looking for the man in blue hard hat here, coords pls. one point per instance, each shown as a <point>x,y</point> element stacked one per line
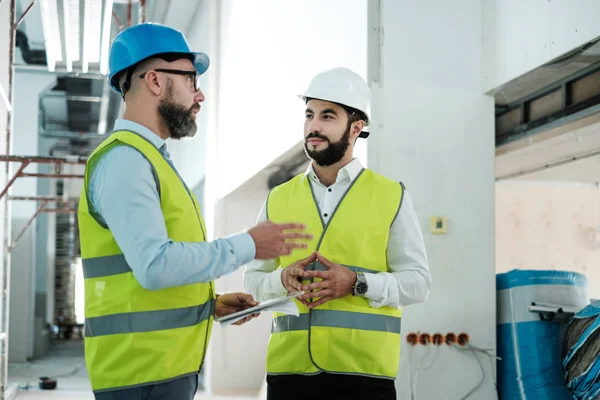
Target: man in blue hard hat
<point>149,294</point>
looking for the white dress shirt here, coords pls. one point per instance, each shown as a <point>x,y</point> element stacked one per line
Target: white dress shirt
<point>408,280</point>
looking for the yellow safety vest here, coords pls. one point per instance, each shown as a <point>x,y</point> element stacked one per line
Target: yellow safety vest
<point>135,336</point>
<point>345,335</point>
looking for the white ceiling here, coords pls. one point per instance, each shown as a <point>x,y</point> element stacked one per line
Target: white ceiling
<point>549,156</point>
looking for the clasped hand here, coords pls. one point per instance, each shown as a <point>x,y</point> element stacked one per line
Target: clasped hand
<point>337,280</point>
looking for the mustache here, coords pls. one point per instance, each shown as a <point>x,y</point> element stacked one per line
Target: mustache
<point>314,135</point>
<point>195,107</point>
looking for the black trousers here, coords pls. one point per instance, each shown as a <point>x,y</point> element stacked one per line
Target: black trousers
<point>329,387</point>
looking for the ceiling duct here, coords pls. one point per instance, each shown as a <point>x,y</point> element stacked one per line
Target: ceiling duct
<point>551,73</point>
<point>30,56</point>
<point>77,108</point>
<point>564,90</point>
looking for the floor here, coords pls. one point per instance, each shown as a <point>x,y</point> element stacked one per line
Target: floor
<point>65,362</point>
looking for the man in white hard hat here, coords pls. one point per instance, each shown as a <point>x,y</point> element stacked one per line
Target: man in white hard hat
<point>367,261</point>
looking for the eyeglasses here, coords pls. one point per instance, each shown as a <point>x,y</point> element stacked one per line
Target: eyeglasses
<point>193,76</point>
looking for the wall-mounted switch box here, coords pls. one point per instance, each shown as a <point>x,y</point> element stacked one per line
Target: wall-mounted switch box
<point>438,225</point>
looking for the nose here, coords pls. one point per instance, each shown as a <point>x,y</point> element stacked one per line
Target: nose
<point>313,126</point>
<point>199,96</point>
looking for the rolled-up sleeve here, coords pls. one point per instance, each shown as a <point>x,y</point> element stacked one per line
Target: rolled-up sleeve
<point>123,191</point>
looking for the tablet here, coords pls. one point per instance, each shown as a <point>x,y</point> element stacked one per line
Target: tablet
<point>262,306</point>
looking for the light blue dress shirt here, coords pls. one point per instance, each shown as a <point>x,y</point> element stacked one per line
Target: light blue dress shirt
<point>123,193</point>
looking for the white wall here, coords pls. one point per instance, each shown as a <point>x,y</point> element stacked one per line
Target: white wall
<point>239,351</point>
<point>520,36</point>
<point>28,86</point>
<point>436,134</point>
<point>269,52</point>
<point>22,294</point>
<point>28,279</point>
<point>546,225</point>
<point>189,155</point>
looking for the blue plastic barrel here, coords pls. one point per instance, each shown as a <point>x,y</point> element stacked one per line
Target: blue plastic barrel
<point>531,349</point>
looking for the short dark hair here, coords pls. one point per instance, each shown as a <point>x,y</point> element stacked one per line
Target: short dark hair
<point>353,114</point>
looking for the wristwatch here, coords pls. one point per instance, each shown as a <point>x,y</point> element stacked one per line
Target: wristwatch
<point>360,287</point>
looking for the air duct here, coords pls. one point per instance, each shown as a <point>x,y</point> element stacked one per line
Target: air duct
<point>37,57</point>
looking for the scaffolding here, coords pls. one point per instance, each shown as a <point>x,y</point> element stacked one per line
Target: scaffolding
<point>7,96</point>
<point>62,205</point>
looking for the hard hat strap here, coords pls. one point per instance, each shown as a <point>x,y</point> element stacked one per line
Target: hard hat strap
<point>127,84</point>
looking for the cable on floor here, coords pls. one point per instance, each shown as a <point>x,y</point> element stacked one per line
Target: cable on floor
<point>27,386</point>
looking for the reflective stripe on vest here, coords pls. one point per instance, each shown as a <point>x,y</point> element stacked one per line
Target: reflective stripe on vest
<point>336,319</point>
<point>344,336</point>
<point>147,321</point>
<point>135,336</point>
<point>101,267</point>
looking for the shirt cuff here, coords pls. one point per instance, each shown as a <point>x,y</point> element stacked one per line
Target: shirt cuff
<point>375,283</point>
<point>276,284</point>
<point>243,247</point>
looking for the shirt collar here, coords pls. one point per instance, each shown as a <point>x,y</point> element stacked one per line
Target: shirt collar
<point>126,125</point>
<point>349,172</point>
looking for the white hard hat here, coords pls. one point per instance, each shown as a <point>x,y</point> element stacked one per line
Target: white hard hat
<point>342,86</point>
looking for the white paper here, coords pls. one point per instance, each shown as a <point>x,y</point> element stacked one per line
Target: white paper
<point>282,305</point>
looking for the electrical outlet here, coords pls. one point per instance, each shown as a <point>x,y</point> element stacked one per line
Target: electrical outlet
<point>450,338</point>
<point>438,225</point>
<point>412,338</point>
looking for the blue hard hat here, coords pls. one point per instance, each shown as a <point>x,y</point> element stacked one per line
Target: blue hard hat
<point>139,42</point>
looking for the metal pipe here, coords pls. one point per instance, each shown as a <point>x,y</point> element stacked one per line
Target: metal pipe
<point>25,14</point>
<point>40,208</point>
<point>60,210</point>
<point>12,180</point>
<point>11,61</point>
<point>41,198</point>
<point>25,161</point>
<point>45,160</point>
<point>62,95</point>
<point>59,72</point>
<point>6,256</point>
<point>130,13</point>
<point>68,134</point>
<point>142,11</point>
<point>39,175</point>
<point>116,17</point>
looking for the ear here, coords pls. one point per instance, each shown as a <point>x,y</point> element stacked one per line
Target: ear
<point>357,128</point>
<point>154,83</point>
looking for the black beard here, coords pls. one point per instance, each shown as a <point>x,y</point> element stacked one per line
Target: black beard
<point>332,154</point>
<point>177,118</point>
